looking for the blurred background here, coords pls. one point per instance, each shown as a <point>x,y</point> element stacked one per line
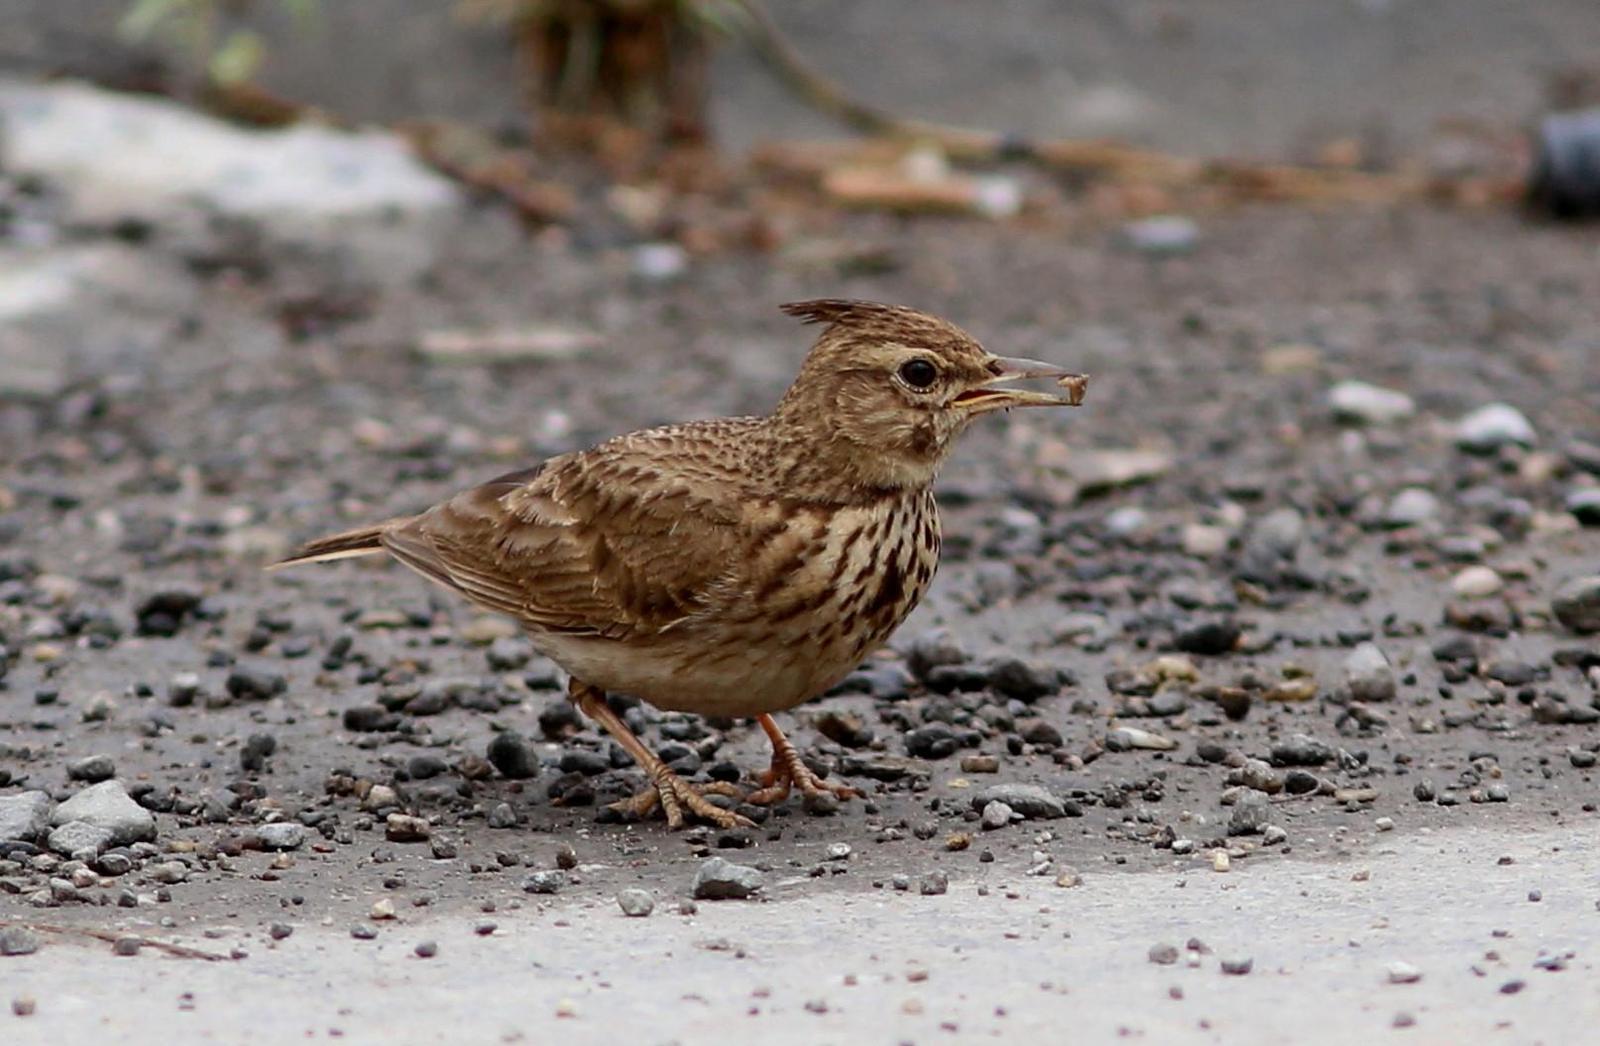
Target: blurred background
<point>1314,561</point>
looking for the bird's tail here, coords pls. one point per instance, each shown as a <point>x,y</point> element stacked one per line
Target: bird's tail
<point>362,541</point>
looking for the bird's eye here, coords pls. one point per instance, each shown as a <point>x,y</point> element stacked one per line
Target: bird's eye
<point>919,374</point>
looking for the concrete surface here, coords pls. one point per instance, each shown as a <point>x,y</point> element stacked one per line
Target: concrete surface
<point>1028,962</point>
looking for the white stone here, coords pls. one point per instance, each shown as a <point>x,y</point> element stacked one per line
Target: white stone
<point>1369,675</point>
<point>1162,234</point>
<point>1493,426</point>
<point>1411,506</point>
<point>1476,582</point>
<point>1202,540</point>
<point>1370,404</point>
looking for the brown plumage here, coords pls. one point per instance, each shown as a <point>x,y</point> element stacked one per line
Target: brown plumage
<point>731,567</point>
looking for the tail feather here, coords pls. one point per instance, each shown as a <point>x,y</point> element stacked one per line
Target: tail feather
<point>362,541</point>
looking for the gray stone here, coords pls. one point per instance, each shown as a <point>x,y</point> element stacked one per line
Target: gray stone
<point>24,817</point>
<point>1369,675</point>
<point>1357,401</point>
<point>75,837</point>
<point>636,903</point>
<point>107,805</point>
<point>720,880</point>
<point>995,815</point>
<point>18,940</point>
<point>545,882</point>
<point>1491,427</point>
<point>1032,802</point>
<point>508,653</point>
<point>1576,605</point>
<point>1023,680</point>
<point>1301,750</point>
<point>932,650</point>
<point>282,835</point>
<point>1250,814</point>
<point>93,769</point>
<point>1410,507</point>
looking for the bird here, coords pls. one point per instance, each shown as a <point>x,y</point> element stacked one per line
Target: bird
<point>729,567</point>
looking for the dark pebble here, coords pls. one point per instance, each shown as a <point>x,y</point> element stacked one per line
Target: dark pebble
<point>559,720</point>
<point>162,614</point>
<point>424,766</point>
<point>1237,967</point>
<point>949,679</point>
<point>253,755</point>
<point>364,719</point>
<point>1023,680</point>
<point>426,949</point>
<point>586,761</point>
<point>1042,734</point>
<point>512,756</point>
<point>248,684</point>
<point>1208,637</point>
<point>934,741</point>
<point>1300,782</point>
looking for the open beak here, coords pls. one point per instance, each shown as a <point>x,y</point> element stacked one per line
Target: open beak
<point>988,397</point>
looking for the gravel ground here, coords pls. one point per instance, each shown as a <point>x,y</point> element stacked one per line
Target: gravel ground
<point>1311,575</point>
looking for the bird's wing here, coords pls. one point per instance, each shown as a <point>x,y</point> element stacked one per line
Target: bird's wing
<point>586,544</point>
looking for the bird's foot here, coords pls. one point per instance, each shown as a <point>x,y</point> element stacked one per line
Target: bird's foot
<point>674,796</point>
<point>789,771</point>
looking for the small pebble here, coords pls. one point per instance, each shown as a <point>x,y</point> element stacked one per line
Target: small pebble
<point>636,903</point>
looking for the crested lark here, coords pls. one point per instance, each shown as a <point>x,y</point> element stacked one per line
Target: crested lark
<point>732,567</point>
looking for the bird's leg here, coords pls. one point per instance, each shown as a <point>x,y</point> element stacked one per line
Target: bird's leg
<point>788,770</point>
<point>667,790</point>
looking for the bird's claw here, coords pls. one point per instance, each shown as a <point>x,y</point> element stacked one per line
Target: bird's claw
<point>784,775</point>
<point>673,795</point>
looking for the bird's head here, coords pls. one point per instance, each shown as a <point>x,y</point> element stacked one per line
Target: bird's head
<point>886,389</point>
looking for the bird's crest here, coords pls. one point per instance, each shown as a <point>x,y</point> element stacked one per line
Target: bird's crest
<point>888,322</point>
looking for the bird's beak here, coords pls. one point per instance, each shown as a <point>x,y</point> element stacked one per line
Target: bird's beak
<point>986,397</point>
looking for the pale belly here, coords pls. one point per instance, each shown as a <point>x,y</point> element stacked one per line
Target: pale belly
<point>834,610</point>
<point>728,679</point>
